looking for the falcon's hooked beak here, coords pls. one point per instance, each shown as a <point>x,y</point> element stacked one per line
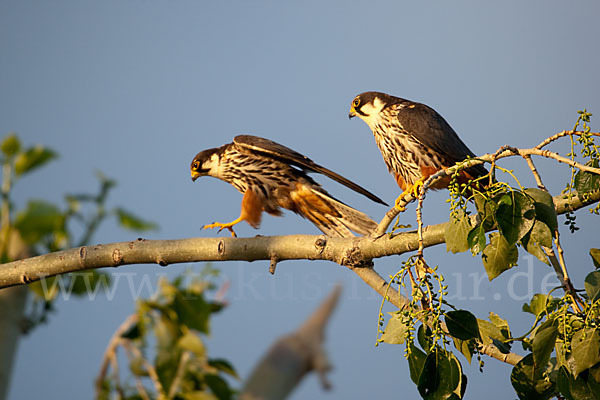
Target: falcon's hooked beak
<point>352,113</point>
<point>195,175</point>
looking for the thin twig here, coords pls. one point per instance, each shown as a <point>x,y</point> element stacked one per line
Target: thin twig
<point>561,134</point>
<point>273,264</point>
<point>561,259</point>
<point>536,174</point>
<point>420,221</point>
<point>111,349</point>
<point>185,356</point>
<point>137,354</point>
<point>5,208</point>
<point>115,368</point>
<point>560,274</point>
<point>558,264</point>
<point>560,159</point>
<point>138,381</point>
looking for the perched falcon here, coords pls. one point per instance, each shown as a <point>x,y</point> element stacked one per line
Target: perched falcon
<point>272,176</point>
<point>415,141</point>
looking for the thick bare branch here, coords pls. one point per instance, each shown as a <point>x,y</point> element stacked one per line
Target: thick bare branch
<point>354,252</point>
<point>292,356</point>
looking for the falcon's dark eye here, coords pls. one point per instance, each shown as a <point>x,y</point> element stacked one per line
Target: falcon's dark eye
<point>196,165</point>
<point>356,102</point>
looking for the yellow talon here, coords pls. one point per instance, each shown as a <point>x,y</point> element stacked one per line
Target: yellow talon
<point>415,189</point>
<point>398,200</point>
<point>222,226</point>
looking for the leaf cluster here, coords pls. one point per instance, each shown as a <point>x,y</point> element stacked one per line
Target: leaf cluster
<point>574,338</point>
<point>47,227</point>
<point>525,218</point>
<point>563,344</point>
<point>171,328</point>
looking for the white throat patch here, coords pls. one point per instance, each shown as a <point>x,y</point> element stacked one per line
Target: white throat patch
<point>372,110</point>
<point>213,165</point>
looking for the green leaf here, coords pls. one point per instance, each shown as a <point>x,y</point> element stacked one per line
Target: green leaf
<point>587,181</point>
<point>429,381</point>
<point>191,342</point>
<point>466,347</point>
<point>416,360</point>
<point>539,236</point>
<point>424,337</point>
<point>197,395</point>
<point>167,355</point>
<point>501,324</point>
<point>133,222</point>
<point>223,366</point>
<point>515,219</point>
<point>38,220</point>
<point>457,231</point>
<point>441,377</point>
<point>89,282</point>
<point>395,331</point>
<point>529,383</point>
<point>192,311</point>
<point>563,354</point>
<point>563,383</point>
<point>505,199</point>
<point>504,347</point>
<point>541,304</point>
<point>486,208</point>
<point>545,210</point>
<point>585,349</point>
<point>136,366</point>
<point>595,253</point>
<point>32,158</point>
<point>134,332</point>
<point>592,285</point>
<point>46,288</point>
<point>218,386</point>
<point>543,344</point>
<point>595,373</point>
<point>498,256</point>
<point>462,324</point>
<point>10,145</point>
<point>488,332</point>
<point>476,239</point>
<point>582,388</point>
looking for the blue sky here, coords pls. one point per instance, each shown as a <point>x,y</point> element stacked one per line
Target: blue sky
<point>135,88</point>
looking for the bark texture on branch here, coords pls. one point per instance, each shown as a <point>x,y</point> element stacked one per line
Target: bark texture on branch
<point>351,252</point>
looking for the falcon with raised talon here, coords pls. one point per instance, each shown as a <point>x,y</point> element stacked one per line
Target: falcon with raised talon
<point>415,141</point>
<point>272,176</point>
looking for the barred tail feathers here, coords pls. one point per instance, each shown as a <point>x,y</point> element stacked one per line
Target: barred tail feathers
<point>331,216</point>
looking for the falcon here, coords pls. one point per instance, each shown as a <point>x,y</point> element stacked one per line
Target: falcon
<point>415,141</point>
<point>272,176</point>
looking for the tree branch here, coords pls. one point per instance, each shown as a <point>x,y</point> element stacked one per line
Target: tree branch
<point>502,152</point>
<point>561,134</point>
<point>351,252</point>
<point>292,356</point>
